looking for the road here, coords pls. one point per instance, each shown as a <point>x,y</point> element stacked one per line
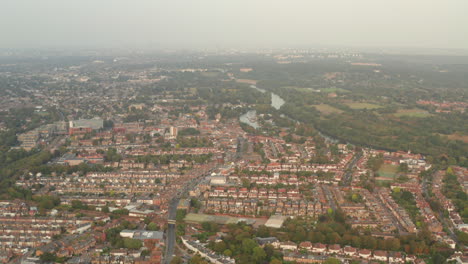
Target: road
<point>329,196</point>
<point>440,213</point>
<point>172,212</point>
<point>348,176</point>
<point>170,232</point>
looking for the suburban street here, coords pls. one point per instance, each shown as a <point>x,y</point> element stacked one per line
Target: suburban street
<point>199,174</point>
<point>348,176</point>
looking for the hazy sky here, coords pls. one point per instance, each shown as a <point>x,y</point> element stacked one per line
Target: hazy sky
<point>233,23</point>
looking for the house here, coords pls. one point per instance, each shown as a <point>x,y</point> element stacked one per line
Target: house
<point>410,258</point>
<point>365,253</point>
<point>421,261</point>
<point>266,240</point>
<point>319,248</point>
<point>305,245</point>
<point>395,257</point>
<point>334,249</point>
<point>380,255</point>
<point>349,251</point>
<point>302,258</point>
<point>288,245</point>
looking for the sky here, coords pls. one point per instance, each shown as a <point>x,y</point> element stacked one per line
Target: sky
<point>233,23</point>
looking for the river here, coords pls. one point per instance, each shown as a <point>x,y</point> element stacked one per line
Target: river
<point>250,117</point>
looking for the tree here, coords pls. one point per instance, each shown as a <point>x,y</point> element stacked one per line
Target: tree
<point>248,245</point>
<point>227,252</point>
<point>220,246</point>
<point>76,204</point>
<point>197,259</point>
<point>332,261</point>
<point>152,227</point>
<point>450,170</point>
<point>403,167</point>
<point>259,254</point>
<point>462,237</point>
<point>263,231</point>
<point>394,244</point>
<point>180,214</point>
<point>210,226</point>
<point>438,259</point>
<point>132,243</point>
<point>176,260</point>
<point>276,261</point>
<point>189,132</point>
<point>47,257</point>
<point>195,203</point>
<point>269,250</point>
<point>105,209</point>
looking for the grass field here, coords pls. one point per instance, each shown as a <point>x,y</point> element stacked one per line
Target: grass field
<point>301,89</point>
<point>327,109</point>
<point>457,136</point>
<point>316,90</point>
<point>388,171</point>
<point>247,81</point>
<point>415,112</point>
<point>210,74</point>
<point>356,105</point>
<point>333,90</point>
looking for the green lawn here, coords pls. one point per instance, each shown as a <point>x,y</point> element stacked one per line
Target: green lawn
<point>357,105</point>
<point>210,74</point>
<point>327,109</point>
<point>415,112</point>
<point>388,171</point>
<point>333,90</point>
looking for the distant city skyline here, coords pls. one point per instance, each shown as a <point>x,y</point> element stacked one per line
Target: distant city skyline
<point>233,24</point>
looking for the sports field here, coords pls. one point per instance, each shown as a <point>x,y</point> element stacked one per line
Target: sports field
<point>388,171</point>
<point>415,112</point>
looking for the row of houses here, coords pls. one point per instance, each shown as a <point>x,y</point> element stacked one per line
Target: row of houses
<point>278,167</point>
<point>446,203</point>
<point>428,215</point>
<point>292,251</point>
<point>206,253</point>
<point>257,207</point>
<point>181,151</point>
<point>16,208</point>
<point>254,193</point>
<point>382,214</point>
<point>17,233</point>
<point>398,212</point>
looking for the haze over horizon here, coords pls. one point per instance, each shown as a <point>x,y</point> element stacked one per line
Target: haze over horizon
<point>233,24</point>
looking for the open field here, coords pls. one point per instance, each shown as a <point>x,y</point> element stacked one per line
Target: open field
<point>415,112</point>
<point>388,171</point>
<point>247,81</point>
<point>333,90</point>
<point>357,105</point>
<point>327,109</point>
<point>302,89</point>
<point>210,74</point>
<point>457,136</point>
<point>317,90</point>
